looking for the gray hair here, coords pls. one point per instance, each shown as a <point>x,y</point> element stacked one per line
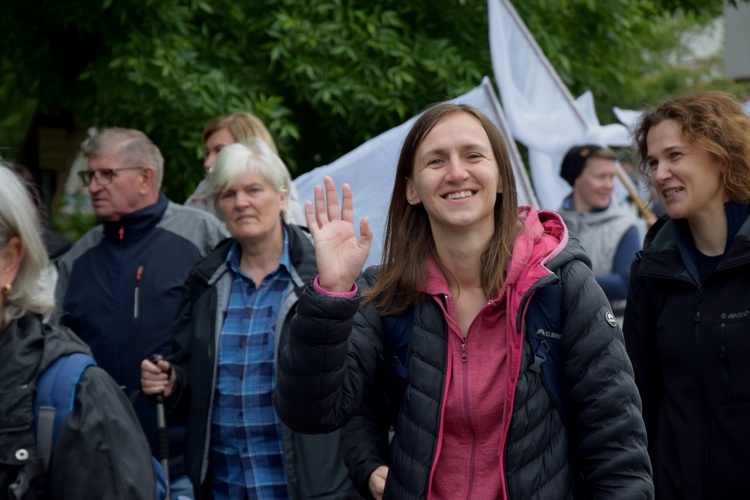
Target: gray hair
<point>19,217</point>
<point>235,160</point>
<point>133,147</point>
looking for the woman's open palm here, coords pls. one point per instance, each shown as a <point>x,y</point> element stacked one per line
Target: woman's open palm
<point>339,254</point>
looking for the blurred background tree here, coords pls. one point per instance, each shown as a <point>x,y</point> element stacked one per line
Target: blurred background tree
<point>325,75</point>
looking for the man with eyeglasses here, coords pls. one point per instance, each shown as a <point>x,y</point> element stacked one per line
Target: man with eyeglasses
<point>120,285</point>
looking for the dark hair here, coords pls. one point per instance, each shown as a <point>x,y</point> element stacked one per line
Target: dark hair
<point>576,158</point>
<point>408,237</point>
<point>713,121</point>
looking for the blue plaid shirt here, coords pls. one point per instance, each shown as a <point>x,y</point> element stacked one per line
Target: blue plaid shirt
<point>246,451</point>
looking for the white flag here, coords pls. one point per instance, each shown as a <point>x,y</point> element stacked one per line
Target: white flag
<point>541,112</point>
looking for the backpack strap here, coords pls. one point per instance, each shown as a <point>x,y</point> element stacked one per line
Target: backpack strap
<point>45,426</point>
<point>55,399</point>
<point>53,402</point>
<point>397,331</point>
<point>55,396</point>
<point>544,320</point>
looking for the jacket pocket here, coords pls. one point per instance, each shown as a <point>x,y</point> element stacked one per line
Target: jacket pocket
<point>727,361</point>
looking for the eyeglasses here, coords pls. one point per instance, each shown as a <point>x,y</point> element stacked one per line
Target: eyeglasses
<point>102,177</point>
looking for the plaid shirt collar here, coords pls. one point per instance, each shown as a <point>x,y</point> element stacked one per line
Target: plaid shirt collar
<point>235,252</point>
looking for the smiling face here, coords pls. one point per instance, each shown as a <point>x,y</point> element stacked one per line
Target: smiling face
<point>687,180</point>
<point>456,176</point>
<point>251,208</point>
<point>215,143</point>
<point>593,188</point>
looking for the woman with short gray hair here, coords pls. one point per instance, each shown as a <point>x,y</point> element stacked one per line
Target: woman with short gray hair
<point>234,316</point>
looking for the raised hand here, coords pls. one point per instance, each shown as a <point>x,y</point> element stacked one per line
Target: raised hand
<point>339,255</point>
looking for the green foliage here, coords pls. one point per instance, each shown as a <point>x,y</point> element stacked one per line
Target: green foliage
<point>700,7</point>
<point>14,121</point>
<point>357,71</point>
<point>656,87</point>
<point>324,75</point>
<point>73,220</point>
<point>16,113</point>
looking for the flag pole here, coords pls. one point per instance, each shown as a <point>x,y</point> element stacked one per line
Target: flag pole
<point>642,205</point>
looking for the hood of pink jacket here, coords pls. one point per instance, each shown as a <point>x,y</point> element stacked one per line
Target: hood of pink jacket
<point>542,236</point>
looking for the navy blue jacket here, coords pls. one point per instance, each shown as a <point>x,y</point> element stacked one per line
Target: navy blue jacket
<point>120,285</point>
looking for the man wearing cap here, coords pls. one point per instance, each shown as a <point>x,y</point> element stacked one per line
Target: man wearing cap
<point>609,236</point>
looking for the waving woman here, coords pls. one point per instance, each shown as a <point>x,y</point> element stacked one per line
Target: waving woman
<point>475,420</point>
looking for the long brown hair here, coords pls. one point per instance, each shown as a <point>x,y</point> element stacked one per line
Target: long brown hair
<point>408,236</point>
<point>713,121</point>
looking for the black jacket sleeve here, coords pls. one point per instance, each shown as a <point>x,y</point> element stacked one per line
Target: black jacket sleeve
<point>330,362</point>
<point>101,451</point>
<point>608,432</point>
<point>364,444</point>
<point>182,333</point>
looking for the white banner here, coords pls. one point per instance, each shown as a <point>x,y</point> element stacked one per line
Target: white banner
<point>541,112</point>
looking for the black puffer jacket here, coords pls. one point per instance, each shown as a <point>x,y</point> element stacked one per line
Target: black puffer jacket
<point>690,346</point>
<point>313,465</point>
<point>333,369</point>
<point>101,451</point>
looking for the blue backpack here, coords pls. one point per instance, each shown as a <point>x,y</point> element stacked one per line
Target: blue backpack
<point>543,331</point>
<point>55,397</point>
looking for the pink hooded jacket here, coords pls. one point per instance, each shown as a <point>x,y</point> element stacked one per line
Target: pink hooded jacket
<point>477,409</point>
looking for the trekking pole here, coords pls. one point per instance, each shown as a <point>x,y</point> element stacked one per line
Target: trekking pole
<point>161,428</point>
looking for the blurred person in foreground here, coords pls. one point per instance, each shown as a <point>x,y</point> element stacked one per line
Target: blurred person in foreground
<point>607,233</point>
<point>687,323</point>
<point>100,451</point>
<point>234,315</point>
<point>475,419</point>
<point>120,285</point>
<point>227,129</point>
<point>56,244</point>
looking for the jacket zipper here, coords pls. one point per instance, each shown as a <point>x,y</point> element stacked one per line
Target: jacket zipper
<point>469,422</point>
<point>467,407</point>
<point>137,293</point>
<point>705,437</point>
<point>725,364</point>
<point>118,329</point>
<point>16,428</point>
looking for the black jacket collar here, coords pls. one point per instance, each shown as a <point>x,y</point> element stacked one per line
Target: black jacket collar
<point>669,250</point>
<point>135,225</point>
<point>301,255</point>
